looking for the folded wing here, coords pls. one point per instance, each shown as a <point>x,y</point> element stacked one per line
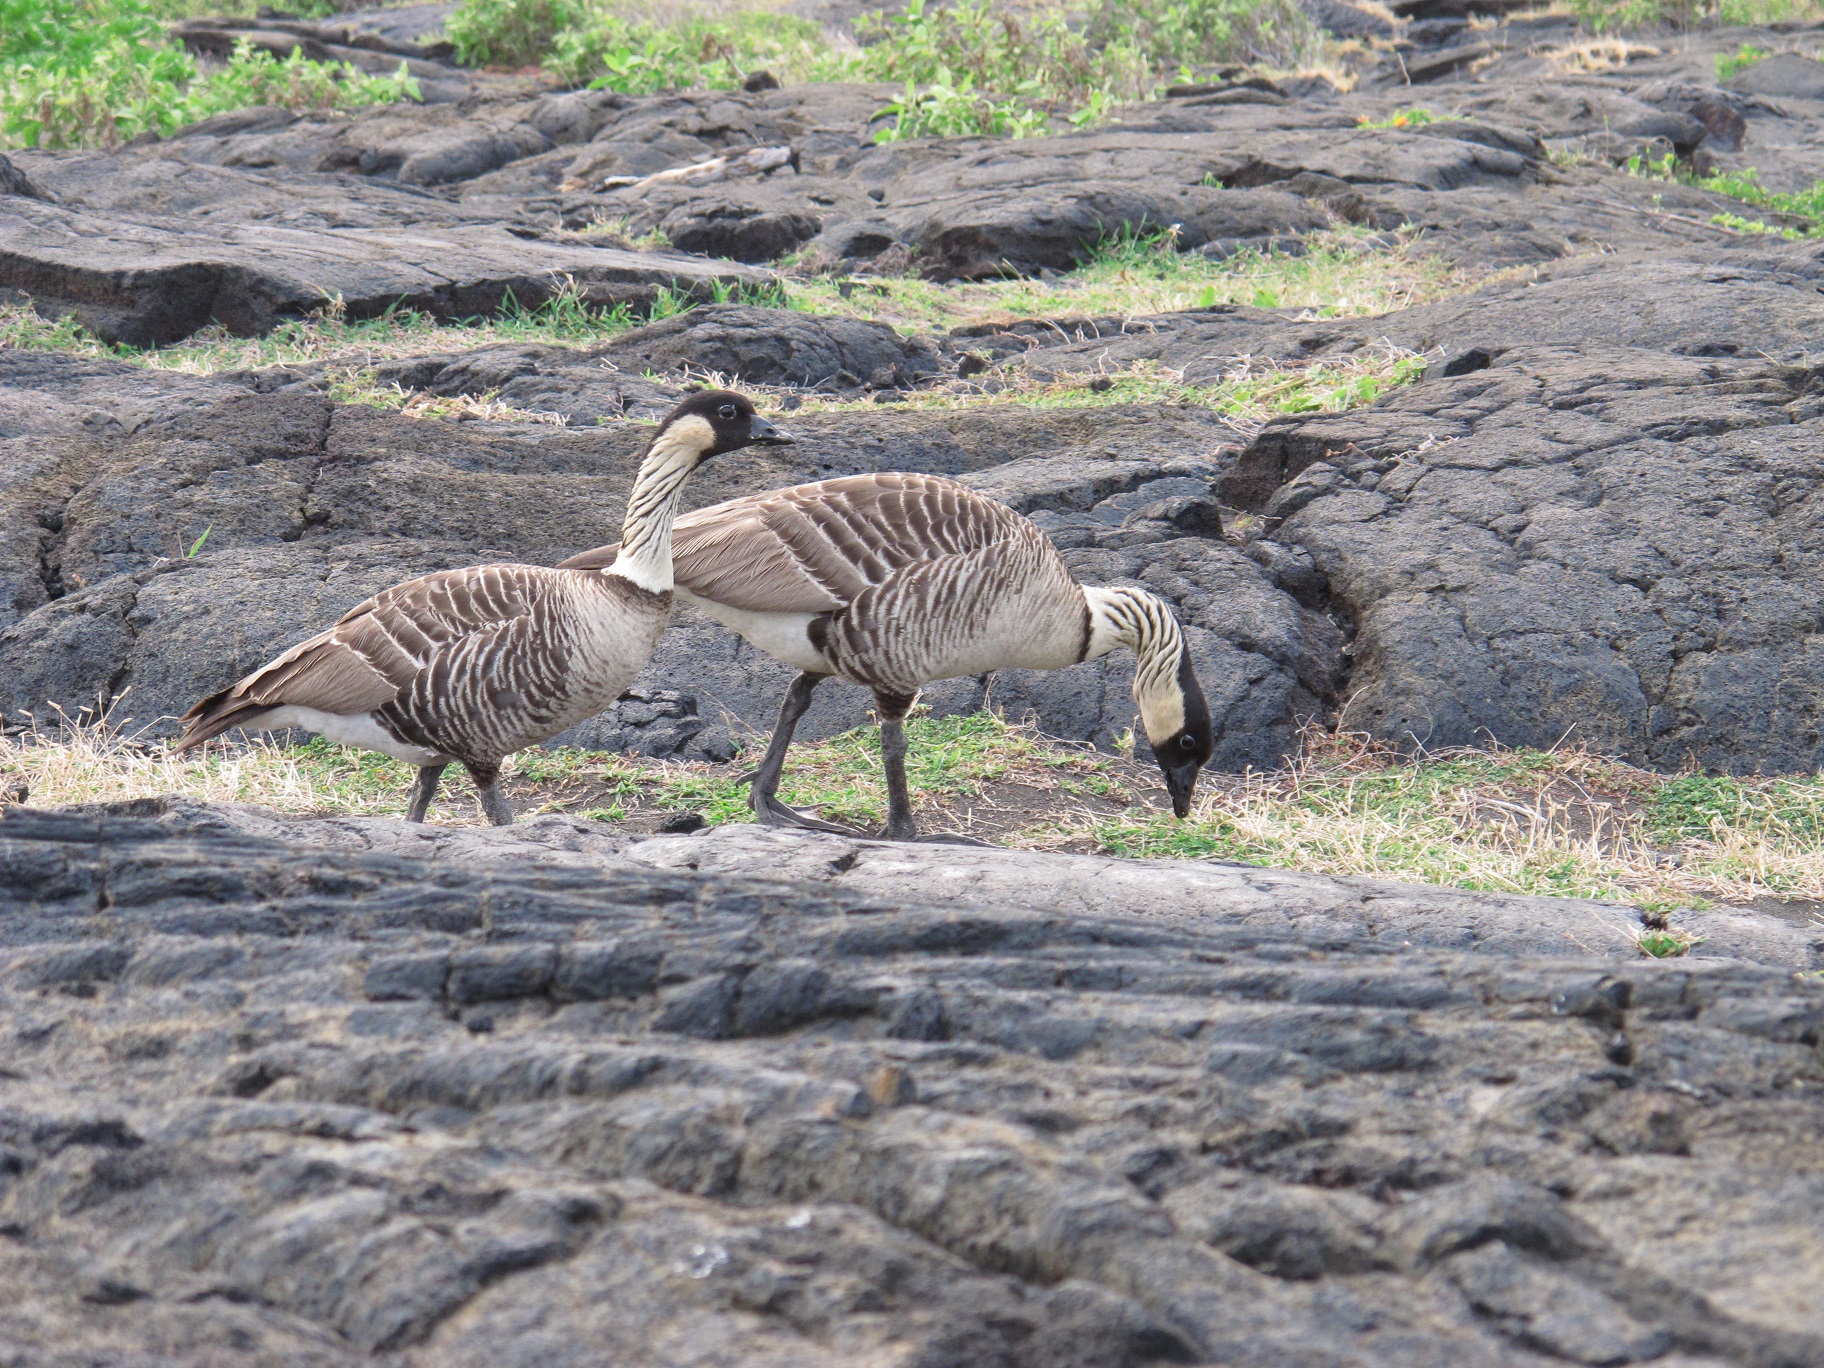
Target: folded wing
<point>814,548</point>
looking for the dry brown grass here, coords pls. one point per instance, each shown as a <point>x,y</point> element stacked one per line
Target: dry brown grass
<point>1566,822</point>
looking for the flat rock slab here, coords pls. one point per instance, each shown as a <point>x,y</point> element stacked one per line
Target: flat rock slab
<point>148,285</point>
<point>1190,895</point>
<point>310,1105</point>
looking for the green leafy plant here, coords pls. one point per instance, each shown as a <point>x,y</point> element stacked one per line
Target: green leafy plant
<point>614,53</point>
<point>99,73</point>
<point>943,110</point>
<point>1746,186</point>
<point>1746,225</point>
<point>512,33</point>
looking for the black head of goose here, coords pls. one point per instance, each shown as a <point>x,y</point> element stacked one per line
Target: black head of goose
<point>472,665</point>
<point>1173,711</point>
<point>894,580</point>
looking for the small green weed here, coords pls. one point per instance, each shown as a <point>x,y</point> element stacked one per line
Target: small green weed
<point>1729,65</point>
<point>1660,943</point>
<point>1653,168</point>
<point>1407,118</point>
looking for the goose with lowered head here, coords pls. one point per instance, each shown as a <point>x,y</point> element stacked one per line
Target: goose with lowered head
<point>472,665</point>
<point>894,580</point>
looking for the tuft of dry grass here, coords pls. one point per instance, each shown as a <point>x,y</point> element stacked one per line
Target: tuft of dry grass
<point>1566,822</point>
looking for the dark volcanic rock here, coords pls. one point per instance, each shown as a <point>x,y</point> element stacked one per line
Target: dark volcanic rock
<point>736,230</point>
<point>1616,546</point>
<point>13,181</point>
<point>313,1104</point>
<point>149,285</point>
<point>777,347</point>
<point>574,382</point>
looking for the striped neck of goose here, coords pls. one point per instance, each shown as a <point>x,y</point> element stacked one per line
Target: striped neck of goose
<point>1146,625</point>
<point>645,556</point>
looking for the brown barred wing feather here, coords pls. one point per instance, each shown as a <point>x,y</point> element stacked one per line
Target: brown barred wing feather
<point>815,548</point>
<point>372,654</point>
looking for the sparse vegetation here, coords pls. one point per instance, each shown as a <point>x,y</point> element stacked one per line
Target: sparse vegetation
<point>1247,395</point>
<point>1407,118</point>
<point>1733,64</point>
<point>1744,185</point>
<point>99,72</point>
<point>967,68</point>
<point>1610,15</point>
<point>348,345</point>
<point>1340,272</point>
<point>1566,822</point>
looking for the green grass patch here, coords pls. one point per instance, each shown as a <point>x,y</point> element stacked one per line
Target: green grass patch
<point>566,318</point>
<point>77,73</point>
<point>1342,272</point>
<point>1746,186</point>
<point>1758,226</point>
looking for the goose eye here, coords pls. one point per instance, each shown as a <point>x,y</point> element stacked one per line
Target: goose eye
<point>728,412</point>
<point>1187,743</point>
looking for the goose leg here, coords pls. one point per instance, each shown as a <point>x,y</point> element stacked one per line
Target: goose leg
<point>423,791</point>
<point>493,802</point>
<point>900,826</point>
<point>762,795</point>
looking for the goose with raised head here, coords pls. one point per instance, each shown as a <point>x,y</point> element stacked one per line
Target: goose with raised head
<point>472,665</point>
<point>894,580</point>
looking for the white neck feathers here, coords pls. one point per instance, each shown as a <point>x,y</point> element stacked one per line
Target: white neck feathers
<point>1145,625</point>
<point>645,557</point>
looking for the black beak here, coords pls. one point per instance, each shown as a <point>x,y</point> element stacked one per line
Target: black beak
<point>1180,781</point>
<point>765,434</point>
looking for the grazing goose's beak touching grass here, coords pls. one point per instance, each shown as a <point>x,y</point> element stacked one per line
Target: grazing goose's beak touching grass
<point>1173,711</point>
<point>1184,749</point>
<point>894,580</point>
<point>473,665</point>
